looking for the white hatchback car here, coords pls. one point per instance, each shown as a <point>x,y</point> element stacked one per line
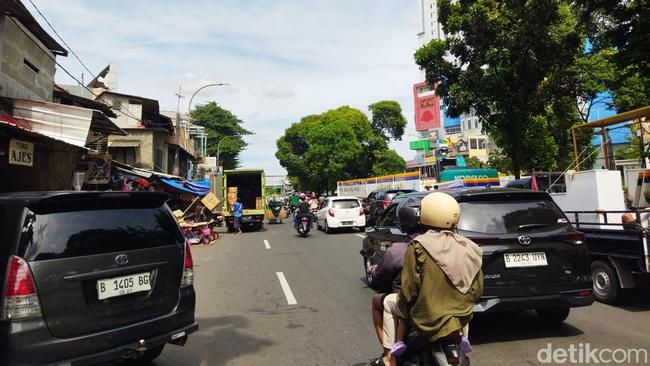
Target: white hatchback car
<point>340,212</point>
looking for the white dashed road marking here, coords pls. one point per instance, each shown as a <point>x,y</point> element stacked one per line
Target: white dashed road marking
<point>266,244</point>
<point>287,290</point>
<point>360,235</point>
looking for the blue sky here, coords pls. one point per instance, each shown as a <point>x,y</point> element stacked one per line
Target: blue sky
<point>283,59</point>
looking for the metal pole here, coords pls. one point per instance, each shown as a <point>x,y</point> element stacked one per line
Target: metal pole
<point>641,145</point>
<point>219,149</point>
<point>603,134</point>
<point>575,148</point>
<point>189,105</point>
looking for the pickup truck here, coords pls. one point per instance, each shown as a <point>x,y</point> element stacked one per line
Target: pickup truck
<point>247,186</point>
<point>620,255</point>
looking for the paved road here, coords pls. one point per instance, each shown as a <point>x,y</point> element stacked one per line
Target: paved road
<point>245,317</point>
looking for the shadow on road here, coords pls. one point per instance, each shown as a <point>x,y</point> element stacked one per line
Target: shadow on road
<point>635,300</point>
<point>218,341</point>
<point>510,326</point>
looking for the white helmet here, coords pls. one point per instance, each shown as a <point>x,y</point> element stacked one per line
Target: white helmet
<point>439,210</point>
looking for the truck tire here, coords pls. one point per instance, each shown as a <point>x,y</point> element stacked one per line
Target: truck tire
<point>606,284</point>
<point>553,315</point>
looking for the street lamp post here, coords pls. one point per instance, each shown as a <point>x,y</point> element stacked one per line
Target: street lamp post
<point>189,105</point>
<point>219,149</point>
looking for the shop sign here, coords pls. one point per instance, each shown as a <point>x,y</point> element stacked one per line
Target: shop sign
<point>21,153</point>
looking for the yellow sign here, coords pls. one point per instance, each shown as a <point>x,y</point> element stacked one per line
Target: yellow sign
<point>430,159</point>
<point>21,153</point>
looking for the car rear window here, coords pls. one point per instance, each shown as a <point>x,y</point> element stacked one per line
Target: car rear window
<point>509,217</point>
<point>392,194</point>
<point>345,204</point>
<point>87,232</point>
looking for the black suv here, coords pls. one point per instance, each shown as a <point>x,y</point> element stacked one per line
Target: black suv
<point>532,257</point>
<point>377,201</point>
<point>90,277</point>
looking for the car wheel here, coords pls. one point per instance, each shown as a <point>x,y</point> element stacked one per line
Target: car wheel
<point>327,228</point>
<point>148,356</point>
<point>606,285</point>
<point>367,262</point>
<point>553,315</point>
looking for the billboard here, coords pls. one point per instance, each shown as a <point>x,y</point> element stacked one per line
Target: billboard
<point>427,107</point>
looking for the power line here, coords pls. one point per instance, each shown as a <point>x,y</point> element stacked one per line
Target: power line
<point>53,58</point>
<point>61,38</point>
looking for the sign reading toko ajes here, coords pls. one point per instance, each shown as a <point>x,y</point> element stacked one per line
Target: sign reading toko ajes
<point>21,153</point>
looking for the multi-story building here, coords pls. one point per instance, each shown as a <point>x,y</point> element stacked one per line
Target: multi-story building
<point>437,132</point>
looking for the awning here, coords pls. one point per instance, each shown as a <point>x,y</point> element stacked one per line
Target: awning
<point>144,173</point>
<point>124,143</point>
<point>196,188</point>
<point>101,123</point>
<point>63,122</point>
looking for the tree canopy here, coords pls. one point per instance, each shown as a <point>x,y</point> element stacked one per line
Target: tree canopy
<point>498,61</point>
<point>341,144</point>
<point>220,124</point>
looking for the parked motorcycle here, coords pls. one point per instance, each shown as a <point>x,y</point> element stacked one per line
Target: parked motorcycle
<point>304,226</point>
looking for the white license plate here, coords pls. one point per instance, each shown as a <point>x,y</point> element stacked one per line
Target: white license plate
<point>124,285</point>
<point>347,222</point>
<point>532,259</point>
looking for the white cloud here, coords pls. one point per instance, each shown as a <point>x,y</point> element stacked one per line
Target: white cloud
<point>277,91</point>
<point>283,59</point>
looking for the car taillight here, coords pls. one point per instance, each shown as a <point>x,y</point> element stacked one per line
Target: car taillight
<point>361,212</point>
<point>188,268</point>
<point>19,300</point>
<point>386,203</point>
<point>330,212</point>
<point>584,293</point>
<point>575,238</point>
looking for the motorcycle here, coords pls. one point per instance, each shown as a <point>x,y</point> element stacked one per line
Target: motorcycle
<point>442,352</point>
<point>304,225</point>
<point>275,211</point>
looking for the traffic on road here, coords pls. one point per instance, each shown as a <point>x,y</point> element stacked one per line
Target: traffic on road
<point>324,182</point>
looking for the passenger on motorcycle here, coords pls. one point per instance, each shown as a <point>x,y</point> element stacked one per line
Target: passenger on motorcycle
<point>386,276</point>
<point>302,211</point>
<point>441,275</point>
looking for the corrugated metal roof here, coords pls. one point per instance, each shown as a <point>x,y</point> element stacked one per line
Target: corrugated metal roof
<point>63,122</point>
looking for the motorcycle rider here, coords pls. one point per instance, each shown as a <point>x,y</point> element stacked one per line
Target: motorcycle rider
<point>441,275</point>
<point>386,275</point>
<point>302,210</point>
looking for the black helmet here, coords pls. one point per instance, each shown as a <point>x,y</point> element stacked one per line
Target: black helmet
<point>408,215</point>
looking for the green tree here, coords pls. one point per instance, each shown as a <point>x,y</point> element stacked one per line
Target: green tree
<point>501,65</point>
<point>500,162</point>
<point>339,144</point>
<point>388,119</point>
<point>474,163</point>
<point>220,123</point>
<point>388,162</point>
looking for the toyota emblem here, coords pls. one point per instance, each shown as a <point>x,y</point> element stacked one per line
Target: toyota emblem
<point>122,259</point>
<point>524,239</point>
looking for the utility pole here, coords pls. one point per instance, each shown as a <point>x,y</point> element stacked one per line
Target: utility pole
<point>177,157</point>
<point>178,116</point>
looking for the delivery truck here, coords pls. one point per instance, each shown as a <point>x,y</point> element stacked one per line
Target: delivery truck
<point>247,187</point>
